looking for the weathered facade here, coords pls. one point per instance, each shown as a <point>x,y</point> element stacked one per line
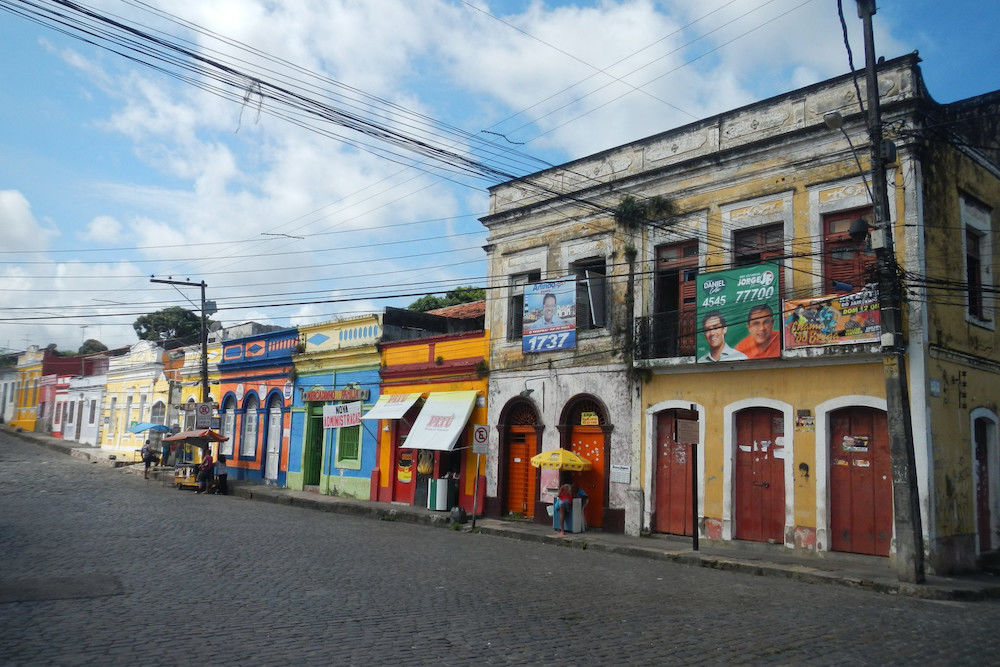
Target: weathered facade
<point>792,440</point>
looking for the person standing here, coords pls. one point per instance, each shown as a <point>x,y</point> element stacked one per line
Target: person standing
<point>206,473</point>
<point>221,476</point>
<point>147,458</point>
<point>164,452</point>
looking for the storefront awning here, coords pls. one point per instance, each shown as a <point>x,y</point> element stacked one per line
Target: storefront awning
<point>391,406</point>
<point>441,420</point>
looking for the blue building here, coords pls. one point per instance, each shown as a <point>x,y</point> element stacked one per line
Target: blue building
<point>337,372</point>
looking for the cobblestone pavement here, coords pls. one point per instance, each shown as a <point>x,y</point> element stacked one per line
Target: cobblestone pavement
<point>100,566</point>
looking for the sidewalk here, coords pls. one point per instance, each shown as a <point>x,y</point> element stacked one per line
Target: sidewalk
<point>852,570</point>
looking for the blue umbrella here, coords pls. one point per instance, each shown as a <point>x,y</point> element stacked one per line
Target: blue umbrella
<point>147,426</point>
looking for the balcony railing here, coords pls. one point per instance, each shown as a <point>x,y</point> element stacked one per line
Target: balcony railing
<point>665,335</point>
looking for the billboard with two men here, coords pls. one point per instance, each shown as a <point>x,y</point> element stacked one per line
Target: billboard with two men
<point>739,314</point>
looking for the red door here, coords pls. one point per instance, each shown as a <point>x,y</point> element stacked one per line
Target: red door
<point>521,445</point>
<point>588,442</point>
<point>672,513</point>
<point>760,476</point>
<point>983,519</point>
<point>860,482</point>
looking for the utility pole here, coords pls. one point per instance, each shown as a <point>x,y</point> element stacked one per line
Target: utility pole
<point>906,499</point>
<point>204,330</point>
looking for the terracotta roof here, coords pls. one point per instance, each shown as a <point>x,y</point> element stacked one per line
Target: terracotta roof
<point>462,311</point>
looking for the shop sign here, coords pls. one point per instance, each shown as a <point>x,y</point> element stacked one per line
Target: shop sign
<point>738,311</point>
<point>549,322</point>
<point>835,319</point>
<point>589,419</point>
<point>341,415</point>
<point>351,394</point>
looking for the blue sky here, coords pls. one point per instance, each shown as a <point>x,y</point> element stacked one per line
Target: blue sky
<point>113,171</point>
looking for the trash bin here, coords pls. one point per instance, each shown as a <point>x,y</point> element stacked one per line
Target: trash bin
<point>437,494</point>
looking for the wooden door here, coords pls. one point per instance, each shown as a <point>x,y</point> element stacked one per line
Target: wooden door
<point>760,476</point>
<point>983,518</point>
<point>588,442</point>
<point>672,512</point>
<point>860,482</point>
<point>312,456</point>
<point>521,493</point>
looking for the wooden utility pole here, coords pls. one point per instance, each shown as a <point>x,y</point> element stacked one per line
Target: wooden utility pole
<point>906,499</point>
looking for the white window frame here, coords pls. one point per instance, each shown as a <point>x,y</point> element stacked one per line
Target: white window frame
<point>250,419</point>
<point>976,217</point>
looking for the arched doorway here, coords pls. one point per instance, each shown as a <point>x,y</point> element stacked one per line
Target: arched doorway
<point>759,482</point>
<point>672,507</point>
<point>520,438</point>
<point>585,431</point>
<point>860,481</point>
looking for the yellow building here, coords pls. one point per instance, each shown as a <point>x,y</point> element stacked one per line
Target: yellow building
<point>754,329</point>
<point>187,389</point>
<point>137,391</point>
<point>29,372</point>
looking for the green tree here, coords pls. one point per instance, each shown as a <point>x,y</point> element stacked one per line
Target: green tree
<point>465,294</point>
<point>91,345</point>
<point>169,324</point>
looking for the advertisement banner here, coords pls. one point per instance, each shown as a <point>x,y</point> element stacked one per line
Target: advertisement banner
<point>549,316</point>
<point>835,319</point>
<point>340,415</point>
<point>738,314</point>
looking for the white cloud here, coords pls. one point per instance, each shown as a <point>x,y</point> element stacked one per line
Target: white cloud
<point>102,229</point>
<point>21,230</point>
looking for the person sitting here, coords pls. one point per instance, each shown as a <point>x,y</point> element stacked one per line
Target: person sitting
<point>563,507</point>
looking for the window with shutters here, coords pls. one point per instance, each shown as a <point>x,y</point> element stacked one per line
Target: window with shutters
<point>228,423</point>
<point>248,442</point>
<point>189,415</point>
<point>515,303</point>
<point>674,293</point>
<point>157,415</point>
<point>848,264</point>
<point>978,256</point>
<point>591,293</point>
<point>761,244</point>
<point>93,412</point>
<point>349,447</point>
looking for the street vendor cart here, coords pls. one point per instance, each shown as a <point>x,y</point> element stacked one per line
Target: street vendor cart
<point>186,449</point>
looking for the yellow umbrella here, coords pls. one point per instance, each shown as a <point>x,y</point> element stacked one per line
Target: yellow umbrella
<point>560,459</point>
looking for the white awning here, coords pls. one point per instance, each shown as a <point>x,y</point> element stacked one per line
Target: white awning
<point>441,420</point>
<point>391,406</point>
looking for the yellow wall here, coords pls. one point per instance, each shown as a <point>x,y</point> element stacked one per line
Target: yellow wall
<point>800,388</point>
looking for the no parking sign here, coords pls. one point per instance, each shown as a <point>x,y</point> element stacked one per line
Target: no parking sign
<point>480,438</point>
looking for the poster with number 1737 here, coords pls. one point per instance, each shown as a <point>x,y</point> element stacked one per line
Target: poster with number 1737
<point>549,316</point>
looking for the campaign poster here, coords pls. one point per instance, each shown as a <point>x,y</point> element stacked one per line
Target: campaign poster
<point>739,314</point>
<point>549,316</point>
<point>835,319</point>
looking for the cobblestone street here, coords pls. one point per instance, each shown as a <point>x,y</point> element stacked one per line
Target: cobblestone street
<point>100,566</point>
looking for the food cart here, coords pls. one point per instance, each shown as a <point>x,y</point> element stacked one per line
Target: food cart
<point>186,449</point>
